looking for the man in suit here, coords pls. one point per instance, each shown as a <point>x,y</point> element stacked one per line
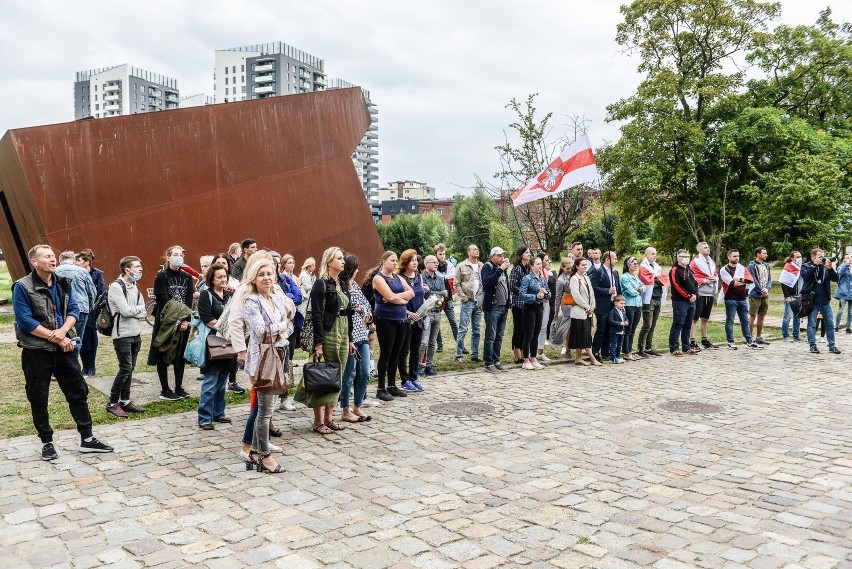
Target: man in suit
<point>607,285</point>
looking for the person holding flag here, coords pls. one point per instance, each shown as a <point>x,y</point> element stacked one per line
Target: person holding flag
<point>791,286</point>
<point>653,299</point>
<point>704,268</point>
<point>736,281</point>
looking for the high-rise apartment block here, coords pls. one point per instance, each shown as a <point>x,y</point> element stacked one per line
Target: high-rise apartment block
<point>366,155</point>
<point>265,70</point>
<point>123,90</point>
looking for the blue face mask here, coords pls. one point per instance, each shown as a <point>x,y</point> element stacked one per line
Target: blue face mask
<point>135,276</point>
<point>176,262</point>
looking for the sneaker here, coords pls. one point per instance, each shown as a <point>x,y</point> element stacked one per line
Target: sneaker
<point>206,426</point>
<point>814,350</point>
<point>409,386</point>
<point>834,350</point>
<point>786,339</point>
<point>796,339</point>
<point>236,388</point>
<point>849,330</point>
<point>642,354</point>
<point>222,419</point>
<point>418,385</point>
<point>420,370</point>
<point>169,395</point>
<point>396,391</point>
<point>465,352</point>
<point>562,351</point>
<point>761,342</point>
<point>371,403</point>
<point>115,409</point>
<point>429,372</point>
<point>501,368</point>
<point>492,369</point>
<point>754,345</point>
<point>181,393</point>
<point>537,365</point>
<point>384,395</point>
<point>48,452</point>
<point>543,358</point>
<point>131,407</point>
<point>274,448</point>
<point>677,353</point>
<point>693,345</point>
<point>708,345</point>
<point>528,365</point>
<point>288,405</point>
<point>199,378</point>
<point>439,349</point>
<point>694,351</point>
<point>459,361</point>
<point>619,361</point>
<point>94,445</point>
<point>476,359</point>
<point>732,345</point>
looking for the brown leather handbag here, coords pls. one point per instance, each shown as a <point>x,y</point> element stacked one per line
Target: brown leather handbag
<point>220,348</point>
<point>271,375</point>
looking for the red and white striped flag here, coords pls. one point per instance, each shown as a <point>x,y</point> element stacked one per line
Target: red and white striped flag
<point>790,274</point>
<point>575,166</point>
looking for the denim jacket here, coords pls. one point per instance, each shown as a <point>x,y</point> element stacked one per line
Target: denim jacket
<point>530,286</point>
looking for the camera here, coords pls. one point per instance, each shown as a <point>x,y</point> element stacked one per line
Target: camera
<point>832,260</point>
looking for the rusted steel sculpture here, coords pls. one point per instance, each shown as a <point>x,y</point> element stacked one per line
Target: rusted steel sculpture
<point>278,170</point>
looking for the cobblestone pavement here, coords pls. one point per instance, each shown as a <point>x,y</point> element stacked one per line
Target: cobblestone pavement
<point>567,467</point>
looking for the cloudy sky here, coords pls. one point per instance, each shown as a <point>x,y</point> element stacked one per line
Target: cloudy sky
<point>441,72</point>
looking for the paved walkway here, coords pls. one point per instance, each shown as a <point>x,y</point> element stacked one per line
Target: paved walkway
<point>567,467</point>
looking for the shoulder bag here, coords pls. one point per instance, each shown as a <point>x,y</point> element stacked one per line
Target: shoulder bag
<point>271,376</point>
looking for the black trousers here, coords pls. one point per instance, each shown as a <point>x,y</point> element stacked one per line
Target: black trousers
<point>409,354</point>
<point>600,342</point>
<point>127,351</point>
<point>517,328</point>
<point>39,366</point>
<point>391,334</point>
<point>532,317</point>
<point>179,364</point>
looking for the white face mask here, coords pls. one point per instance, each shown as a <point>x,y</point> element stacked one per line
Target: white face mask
<point>176,262</point>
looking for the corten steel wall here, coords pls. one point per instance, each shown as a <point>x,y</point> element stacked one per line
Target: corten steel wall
<point>278,170</point>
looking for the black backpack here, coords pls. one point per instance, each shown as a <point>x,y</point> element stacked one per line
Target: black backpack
<point>105,318</point>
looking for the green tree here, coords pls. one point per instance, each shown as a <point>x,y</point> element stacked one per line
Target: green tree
<point>419,232</point>
<point>666,165</point>
<point>471,220</point>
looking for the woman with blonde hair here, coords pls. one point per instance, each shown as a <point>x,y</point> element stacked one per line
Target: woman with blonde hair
<point>332,322</point>
<point>265,310</point>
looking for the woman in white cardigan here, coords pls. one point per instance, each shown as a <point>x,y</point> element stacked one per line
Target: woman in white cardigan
<point>580,336</point>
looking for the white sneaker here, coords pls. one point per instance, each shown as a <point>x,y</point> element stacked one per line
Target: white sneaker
<point>562,351</point>
<point>543,358</point>
<point>528,365</point>
<point>371,403</point>
<point>274,448</point>
<point>289,405</point>
<point>537,365</point>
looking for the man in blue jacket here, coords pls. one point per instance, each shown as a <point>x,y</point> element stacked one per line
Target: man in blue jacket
<point>607,285</point>
<point>496,302</point>
<point>45,314</point>
<point>816,276</point>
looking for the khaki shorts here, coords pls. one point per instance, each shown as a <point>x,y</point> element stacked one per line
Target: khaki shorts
<point>758,306</point>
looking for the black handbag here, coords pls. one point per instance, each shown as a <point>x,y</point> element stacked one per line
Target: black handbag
<point>803,305</point>
<point>321,377</point>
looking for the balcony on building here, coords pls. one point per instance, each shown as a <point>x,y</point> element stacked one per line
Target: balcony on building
<point>265,66</point>
<point>112,86</point>
<point>264,89</point>
<point>265,78</point>
<point>319,79</point>
<point>112,97</point>
<point>153,91</point>
<point>112,107</point>
<point>172,97</point>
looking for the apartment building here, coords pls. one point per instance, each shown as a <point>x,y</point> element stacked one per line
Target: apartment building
<point>122,90</point>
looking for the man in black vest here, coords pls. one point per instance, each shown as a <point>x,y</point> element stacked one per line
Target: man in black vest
<point>45,314</point>
<point>607,285</point>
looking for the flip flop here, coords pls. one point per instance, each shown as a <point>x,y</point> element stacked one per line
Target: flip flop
<point>358,420</point>
<point>364,419</point>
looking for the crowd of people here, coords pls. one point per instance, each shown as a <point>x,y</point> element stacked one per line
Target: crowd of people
<point>250,302</point>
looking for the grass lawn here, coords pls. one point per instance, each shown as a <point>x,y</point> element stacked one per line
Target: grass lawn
<point>5,282</point>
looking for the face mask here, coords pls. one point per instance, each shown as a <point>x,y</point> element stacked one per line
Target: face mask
<point>135,276</point>
<point>176,262</point>
<point>797,262</point>
<point>683,262</point>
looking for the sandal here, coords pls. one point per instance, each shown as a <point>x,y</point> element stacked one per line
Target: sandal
<point>322,429</point>
<point>275,432</point>
<point>334,426</point>
<point>261,468</point>
<point>251,461</point>
<point>357,419</point>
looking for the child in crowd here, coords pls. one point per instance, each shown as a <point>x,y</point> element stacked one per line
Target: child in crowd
<point>618,323</point>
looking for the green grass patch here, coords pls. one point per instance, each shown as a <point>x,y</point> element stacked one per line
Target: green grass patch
<point>5,282</point>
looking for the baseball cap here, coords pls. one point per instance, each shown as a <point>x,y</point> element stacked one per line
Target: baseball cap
<point>497,251</point>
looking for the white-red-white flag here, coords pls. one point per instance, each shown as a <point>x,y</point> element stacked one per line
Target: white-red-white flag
<point>575,166</point>
<point>790,275</point>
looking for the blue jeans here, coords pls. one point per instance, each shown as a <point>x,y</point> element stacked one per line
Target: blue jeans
<point>828,317</point>
<point>357,372</point>
<point>451,318</point>
<point>250,420</point>
<point>495,326</point>
<point>211,404</point>
<point>740,309</point>
<point>615,342</point>
<point>80,326</point>
<point>471,316</point>
<point>682,311</point>
<point>429,341</point>
<point>785,322</point>
<point>848,305</point>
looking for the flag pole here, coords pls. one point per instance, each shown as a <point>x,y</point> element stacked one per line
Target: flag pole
<point>518,223</point>
<point>603,208</point>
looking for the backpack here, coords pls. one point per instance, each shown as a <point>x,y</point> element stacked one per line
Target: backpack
<point>105,319</point>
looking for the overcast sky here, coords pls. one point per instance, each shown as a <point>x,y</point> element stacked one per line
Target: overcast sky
<point>441,72</point>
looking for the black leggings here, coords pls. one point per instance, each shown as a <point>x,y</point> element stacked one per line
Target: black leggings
<point>517,328</point>
<point>294,340</point>
<point>391,334</point>
<point>179,363</point>
<point>410,352</point>
<point>533,314</point>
